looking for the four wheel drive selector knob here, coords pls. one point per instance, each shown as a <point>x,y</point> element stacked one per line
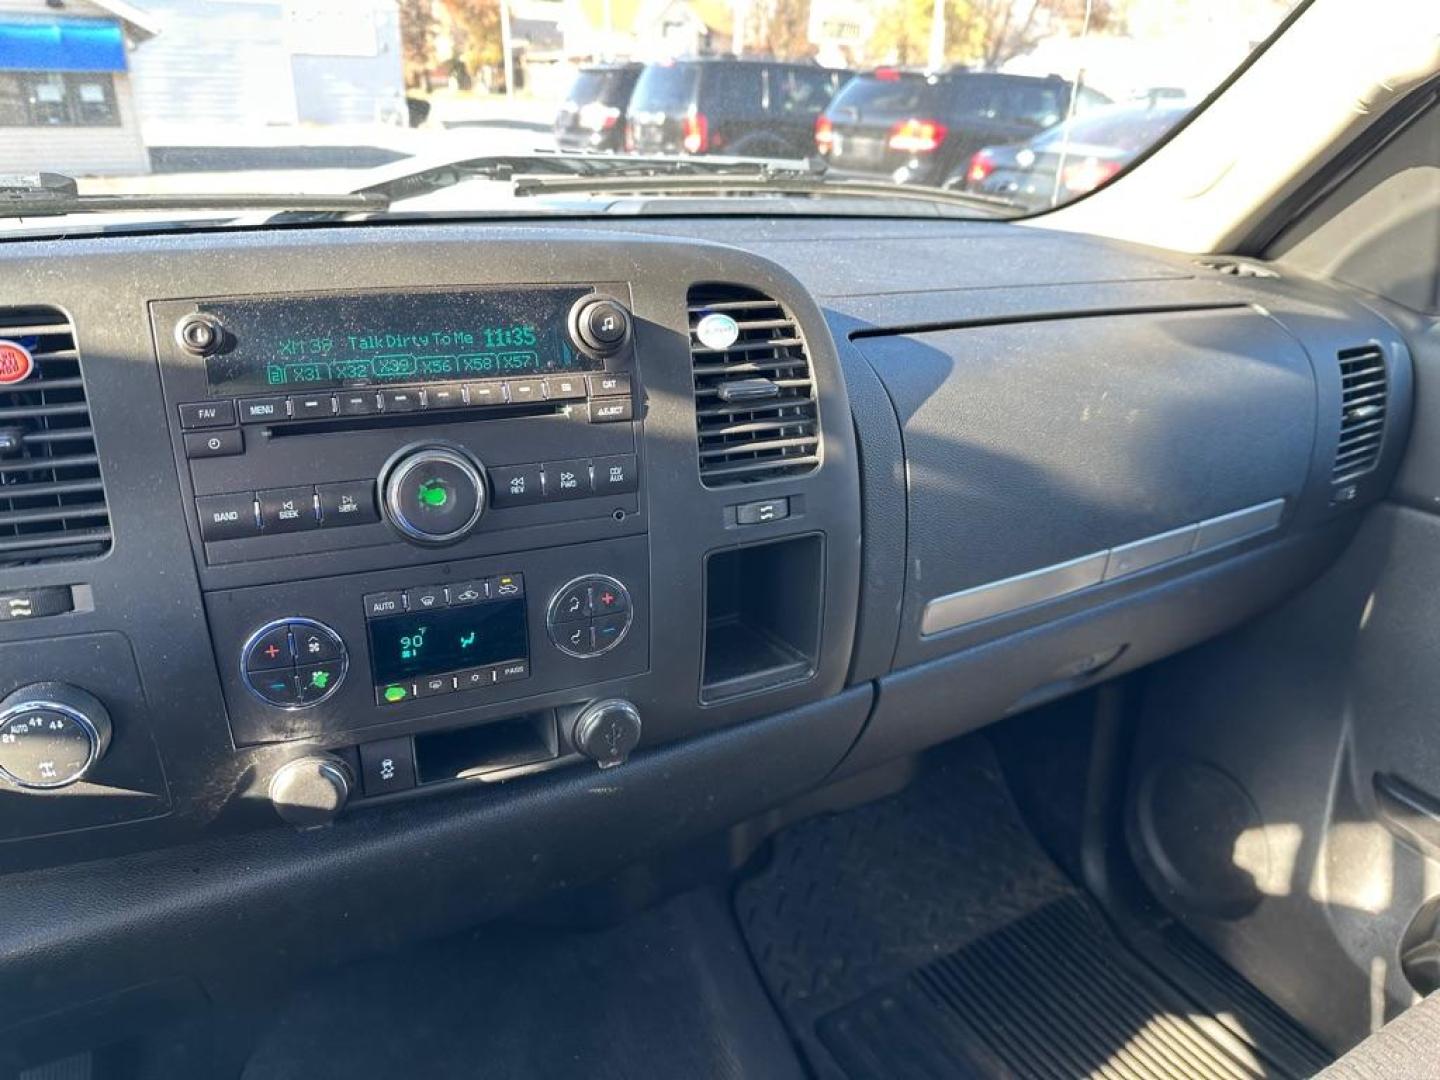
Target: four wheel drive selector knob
<point>51,735</point>
<point>434,494</point>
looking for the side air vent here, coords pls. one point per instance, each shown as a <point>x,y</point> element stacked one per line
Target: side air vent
<point>755,412</point>
<point>1362,412</point>
<point>52,502</point>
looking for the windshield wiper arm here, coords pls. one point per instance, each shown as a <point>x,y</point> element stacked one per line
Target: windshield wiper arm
<point>50,194</point>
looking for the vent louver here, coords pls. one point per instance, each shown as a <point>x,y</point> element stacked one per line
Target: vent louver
<point>52,502</point>
<point>755,410</point>
<point>1362,412</point>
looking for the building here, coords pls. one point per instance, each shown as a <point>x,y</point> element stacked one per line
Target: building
<point>89,87</point>
<point>66,88</point>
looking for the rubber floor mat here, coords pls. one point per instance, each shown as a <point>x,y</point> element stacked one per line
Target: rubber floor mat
<point>1052,996</point>
<point>929,935</point>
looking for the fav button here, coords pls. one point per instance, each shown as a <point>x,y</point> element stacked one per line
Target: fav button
<point>288,509</point>
<point>270,651</point>
<point>207,414</point>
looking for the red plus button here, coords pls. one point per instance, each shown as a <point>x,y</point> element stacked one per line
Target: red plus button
<point>270,651</point>
<point>609,599</point>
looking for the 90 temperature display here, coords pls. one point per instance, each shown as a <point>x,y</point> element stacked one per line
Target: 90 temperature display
<point>325,342</point>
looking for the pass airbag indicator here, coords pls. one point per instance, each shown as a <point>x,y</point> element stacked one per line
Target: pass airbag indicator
<point>16,363</point>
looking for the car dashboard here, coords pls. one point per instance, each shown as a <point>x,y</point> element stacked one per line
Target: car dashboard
<point>511,554</point>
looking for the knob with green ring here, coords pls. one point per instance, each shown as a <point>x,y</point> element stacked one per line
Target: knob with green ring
<point>434,494</point>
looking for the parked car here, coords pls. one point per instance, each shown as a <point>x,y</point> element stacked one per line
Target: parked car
<point>921,128</point>
<point>759,108</point>
<point>1069,159</point>
<point>592,116</point>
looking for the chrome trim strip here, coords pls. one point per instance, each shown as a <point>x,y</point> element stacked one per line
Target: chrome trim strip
<point>1052,582</point>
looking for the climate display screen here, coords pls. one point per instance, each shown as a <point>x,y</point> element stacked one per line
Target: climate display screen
<point>377,339</point>
<point>407,647</point>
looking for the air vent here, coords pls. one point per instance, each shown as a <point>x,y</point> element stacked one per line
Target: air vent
<point>755,410</point>
<point>1362,412</point>
<point>52,503</point>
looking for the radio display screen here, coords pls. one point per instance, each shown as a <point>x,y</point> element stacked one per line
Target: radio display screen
<point>376,339</point>
<point>421,643</point>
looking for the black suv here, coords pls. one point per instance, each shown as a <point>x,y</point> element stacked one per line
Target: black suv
<point>922,128</point>
<point>759,108</point>
<point>592,116</point>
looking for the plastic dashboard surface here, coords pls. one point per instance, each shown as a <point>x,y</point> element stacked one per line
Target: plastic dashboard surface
<point>991,402</point>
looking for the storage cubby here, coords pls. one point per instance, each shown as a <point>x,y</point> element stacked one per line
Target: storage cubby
<point>763,605</point>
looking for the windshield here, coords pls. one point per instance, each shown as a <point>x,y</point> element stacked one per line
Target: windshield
<point>367,108</point>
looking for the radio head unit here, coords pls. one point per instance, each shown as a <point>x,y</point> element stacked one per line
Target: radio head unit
<point>294,343</point>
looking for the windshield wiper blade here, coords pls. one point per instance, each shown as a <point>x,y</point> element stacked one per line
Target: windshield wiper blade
<point>50,195</point>
<point>769,180</point>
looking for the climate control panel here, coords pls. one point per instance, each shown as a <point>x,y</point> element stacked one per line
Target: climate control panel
<point>464,639</point>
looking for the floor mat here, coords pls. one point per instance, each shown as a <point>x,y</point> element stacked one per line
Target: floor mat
<point>928,935</point>
<point>670,993</point>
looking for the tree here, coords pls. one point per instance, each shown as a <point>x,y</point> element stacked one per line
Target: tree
<point>417,40</point>
<point>781,28</point>
<point>983,33</point>
<point>478,38</point>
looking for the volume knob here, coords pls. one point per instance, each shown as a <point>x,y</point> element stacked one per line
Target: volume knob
<point>434,495</point>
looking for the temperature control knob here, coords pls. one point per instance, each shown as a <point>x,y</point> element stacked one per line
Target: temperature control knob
<point>51,735</point>
<point>434,495</point>
<point>606,731</point>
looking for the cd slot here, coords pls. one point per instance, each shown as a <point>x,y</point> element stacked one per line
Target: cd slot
<point>412,420</point>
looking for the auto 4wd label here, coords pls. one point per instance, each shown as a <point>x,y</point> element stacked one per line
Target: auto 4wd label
<point>16,363</point>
